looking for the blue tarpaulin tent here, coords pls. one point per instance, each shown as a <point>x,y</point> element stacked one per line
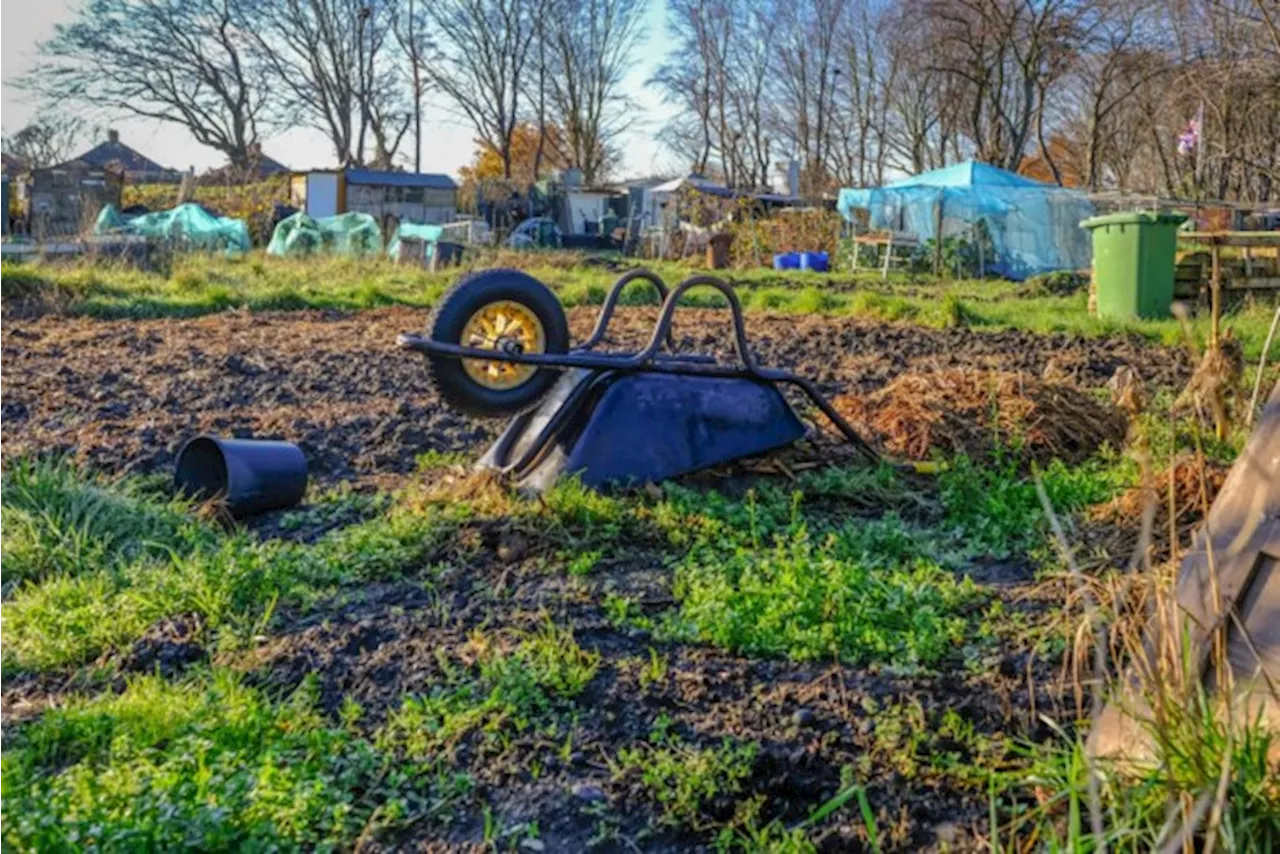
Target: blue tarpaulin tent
<point>1033,227</point>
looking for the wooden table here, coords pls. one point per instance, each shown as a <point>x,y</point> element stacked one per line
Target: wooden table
<point>887,239</point>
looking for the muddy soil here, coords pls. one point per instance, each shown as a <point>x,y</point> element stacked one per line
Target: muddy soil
<point>810,720</point>
<point>123,395</point>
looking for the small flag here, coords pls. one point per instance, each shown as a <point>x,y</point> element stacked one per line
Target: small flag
<point>1189,139</point>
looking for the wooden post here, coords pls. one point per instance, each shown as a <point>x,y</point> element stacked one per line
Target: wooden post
<point>982,261</point>
<point>1215,293</point>
<point>937,236</point>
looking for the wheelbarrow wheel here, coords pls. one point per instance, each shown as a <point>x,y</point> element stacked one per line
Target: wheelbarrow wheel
<point>504,310</point>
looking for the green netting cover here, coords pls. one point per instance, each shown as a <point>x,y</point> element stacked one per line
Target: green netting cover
<point>428,234</point>
<point>189,226</point>
<point>345,234</point>
<point>109,220</point>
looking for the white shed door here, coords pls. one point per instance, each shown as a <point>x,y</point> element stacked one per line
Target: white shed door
<point>322,194</point>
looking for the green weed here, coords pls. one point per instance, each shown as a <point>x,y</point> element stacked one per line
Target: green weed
<point>682,779</point>
<point>513,688</point>
<point>802,600</point>
<point>208,762</point>
<point>432,459</point>
<point>995,509</point>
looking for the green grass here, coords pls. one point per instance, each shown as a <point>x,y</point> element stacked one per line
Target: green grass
<point>1193,745</point>
<point>57,522</point>
<point>196,285</point>
<point>210,763</point>
<point>97,563</point>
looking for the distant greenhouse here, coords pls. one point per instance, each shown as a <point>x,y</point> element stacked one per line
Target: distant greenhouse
<point>1030,227</point>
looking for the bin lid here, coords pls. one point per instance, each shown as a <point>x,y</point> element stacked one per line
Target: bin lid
<point>1135,218</point>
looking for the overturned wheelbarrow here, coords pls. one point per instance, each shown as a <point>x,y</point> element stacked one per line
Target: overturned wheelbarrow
<point>498,345</point>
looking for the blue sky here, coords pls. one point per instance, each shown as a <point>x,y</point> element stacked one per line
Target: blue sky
<point>447,146</point>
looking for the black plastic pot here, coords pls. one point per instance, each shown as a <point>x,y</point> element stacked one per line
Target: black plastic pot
<point>249,475</point>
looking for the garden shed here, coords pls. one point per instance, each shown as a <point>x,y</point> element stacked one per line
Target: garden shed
<point>1026,227</point>
<point>389,197</point>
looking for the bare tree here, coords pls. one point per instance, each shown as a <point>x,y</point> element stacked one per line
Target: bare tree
<point>748,84</point>
<point>180,63</point>
<point>686,79</point>
<point>1007,53</point>
<point>411,29</point>
<point>806,72</point>
<point>591,45</point>
<point>49,140</point>
<point>860,117</point>
<point>485,47</point>
<point>330,65</point>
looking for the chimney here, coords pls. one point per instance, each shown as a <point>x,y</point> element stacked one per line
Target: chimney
<point>113,135</point>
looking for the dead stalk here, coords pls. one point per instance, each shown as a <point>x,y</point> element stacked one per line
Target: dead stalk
<point>1262,367</point>
<point>1100,658</point>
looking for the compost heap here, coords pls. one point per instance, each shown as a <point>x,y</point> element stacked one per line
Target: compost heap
<point>974,412</point>
<point>352,234</point>
<point>188,226</point>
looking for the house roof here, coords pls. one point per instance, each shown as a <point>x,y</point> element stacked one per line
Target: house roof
<point>113,151</point>
<point>378,178</point>
<point>268,165</point>
<point>260,165</point>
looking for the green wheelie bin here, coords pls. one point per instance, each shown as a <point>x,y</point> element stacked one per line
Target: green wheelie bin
<point>1133,261</point>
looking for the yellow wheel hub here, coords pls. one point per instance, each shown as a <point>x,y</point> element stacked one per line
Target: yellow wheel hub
<point>507,326</point>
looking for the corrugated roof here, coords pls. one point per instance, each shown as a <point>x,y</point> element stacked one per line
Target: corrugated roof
<point>400,179</point>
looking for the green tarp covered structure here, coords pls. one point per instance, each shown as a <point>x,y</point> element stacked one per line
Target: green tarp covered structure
<point>188,226</point>
<point>428,234</point>
<point>352,234</point>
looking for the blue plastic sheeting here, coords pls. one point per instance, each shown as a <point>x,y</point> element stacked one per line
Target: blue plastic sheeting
<point>819,262</point>
<point>1034,227</point>
<point>187,226</point>
<point>428,234</point>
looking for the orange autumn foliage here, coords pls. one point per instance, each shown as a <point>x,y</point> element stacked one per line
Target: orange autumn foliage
<point>486,167</point>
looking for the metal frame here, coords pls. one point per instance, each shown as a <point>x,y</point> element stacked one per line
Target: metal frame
<point>649,359</point>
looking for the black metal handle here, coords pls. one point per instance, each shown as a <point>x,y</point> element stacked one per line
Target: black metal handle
<point>611,302</point>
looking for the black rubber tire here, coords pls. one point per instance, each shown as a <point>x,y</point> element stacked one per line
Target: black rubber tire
<point>450,317</point>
